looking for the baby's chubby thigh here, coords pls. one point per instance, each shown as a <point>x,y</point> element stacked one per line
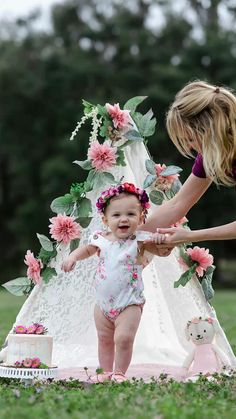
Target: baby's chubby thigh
<point>126,325</point>
<point>105,328</point>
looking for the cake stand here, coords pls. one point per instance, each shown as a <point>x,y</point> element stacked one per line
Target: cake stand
<point>26,375</point>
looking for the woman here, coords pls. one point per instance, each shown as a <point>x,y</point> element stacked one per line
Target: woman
<point>202,118</point>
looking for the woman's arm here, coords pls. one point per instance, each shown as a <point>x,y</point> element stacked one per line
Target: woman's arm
<point>175,236</point>
<point>80,253</point>
<point>173,210</point>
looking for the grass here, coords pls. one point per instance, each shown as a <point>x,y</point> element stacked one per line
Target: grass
<point>136,400</point>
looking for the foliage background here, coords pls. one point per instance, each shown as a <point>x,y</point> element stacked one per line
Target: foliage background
<point>102,51</point>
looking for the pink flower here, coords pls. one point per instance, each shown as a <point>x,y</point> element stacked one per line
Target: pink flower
<point>20,329</point>
<point>164,182</point>
<point>113,312</point>
<point>31,329</point>
<point>27,362</point>
<point>120,118</point>
<point>40,330</point>
<point>180,222</point>
<point>34,267</point>
<point>102,156</point>
<point>134,275</point>
<point>202,256</point>
<point>35,363</point>
<point>64,228</point>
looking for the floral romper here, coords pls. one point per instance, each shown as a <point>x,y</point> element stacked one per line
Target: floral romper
<point>118,281</point>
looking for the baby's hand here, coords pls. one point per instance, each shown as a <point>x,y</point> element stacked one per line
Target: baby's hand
<point>68,264</point>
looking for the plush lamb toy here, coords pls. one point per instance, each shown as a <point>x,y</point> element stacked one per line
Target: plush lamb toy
<point>206,357</point>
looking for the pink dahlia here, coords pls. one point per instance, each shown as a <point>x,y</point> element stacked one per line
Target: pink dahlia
<point>102,156</point>
<point>64,228</point>
<point>120,118</point>
<point>202,256</point>
<point>164,182</point>
<point>20,329</point>
<point>35,363</point>
<point>34,267</point>
<point>27,362</point>
<point>31,329</point>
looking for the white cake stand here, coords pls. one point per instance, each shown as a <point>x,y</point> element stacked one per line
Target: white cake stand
<point>28,374</point>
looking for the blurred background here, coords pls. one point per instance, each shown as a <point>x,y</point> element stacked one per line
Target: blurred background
<point>53,54</point>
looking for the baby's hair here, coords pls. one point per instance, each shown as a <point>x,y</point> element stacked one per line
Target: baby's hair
<point>206,114</point>
<point>128,188</point>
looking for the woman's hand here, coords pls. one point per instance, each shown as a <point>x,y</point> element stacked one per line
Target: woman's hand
<point>172,236</point>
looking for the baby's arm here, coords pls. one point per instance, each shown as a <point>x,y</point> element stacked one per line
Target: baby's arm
<point>152,248</point>
<point>80,253</point>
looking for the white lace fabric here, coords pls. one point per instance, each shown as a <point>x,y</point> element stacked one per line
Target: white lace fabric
<point>65,305</point>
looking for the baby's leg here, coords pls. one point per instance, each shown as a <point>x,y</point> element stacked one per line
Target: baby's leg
<point>105,331</point>
<point>126,326</point>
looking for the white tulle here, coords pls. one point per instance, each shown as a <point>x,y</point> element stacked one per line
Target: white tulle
<point>65,305</point>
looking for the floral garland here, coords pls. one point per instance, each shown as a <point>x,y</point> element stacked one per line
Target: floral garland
<point>109,124</point>
<point>30,363</point>
<point>33,329</point>
<point>106,195</point>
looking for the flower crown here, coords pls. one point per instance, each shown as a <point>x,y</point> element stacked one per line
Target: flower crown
<point>105,197</point>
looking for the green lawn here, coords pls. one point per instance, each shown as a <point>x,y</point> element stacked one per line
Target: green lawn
<point>136,400</point>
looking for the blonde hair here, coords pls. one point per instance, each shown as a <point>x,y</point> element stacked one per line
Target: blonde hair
<point>206,114</point>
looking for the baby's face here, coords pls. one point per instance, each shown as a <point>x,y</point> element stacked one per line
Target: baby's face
<point>123,215</point>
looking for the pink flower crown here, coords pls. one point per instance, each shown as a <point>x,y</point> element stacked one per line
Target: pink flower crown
<point>130,188</point>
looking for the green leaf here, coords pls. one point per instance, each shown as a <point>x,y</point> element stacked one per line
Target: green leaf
<point>102,111</point>
<point>91,176</point>
<point>146,125</point>
<point>169,194</point>
<point>104,128</point>
<point>171,170</point>
<point>46,256</point>
<point>84,221</point>
<point>122,146</point>
<point>133,135</point>
<point>156,197</point>
<point>120,161</point>
<point>18,286</point>
<point>63,204</point>
<point>209,271</point>
<point>85,164</point>
<point>175,187</point>
<point>102,179</point>
<point>132,103</point>
<point>151,167</point>
<point>47,274</point>
<point>185,277</point>
<point>184,255</point>
<point>74,244</point>
<point>87,106</point>
<point>207,288</point>
<point>45,242</point>
<point>84,207</point>
<point>149,181</point>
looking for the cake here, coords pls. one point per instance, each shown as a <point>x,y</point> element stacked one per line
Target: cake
<point>29,346</point>
<point>23,346</point>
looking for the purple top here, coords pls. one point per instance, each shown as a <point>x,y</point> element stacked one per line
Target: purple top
<point>198,168</point>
